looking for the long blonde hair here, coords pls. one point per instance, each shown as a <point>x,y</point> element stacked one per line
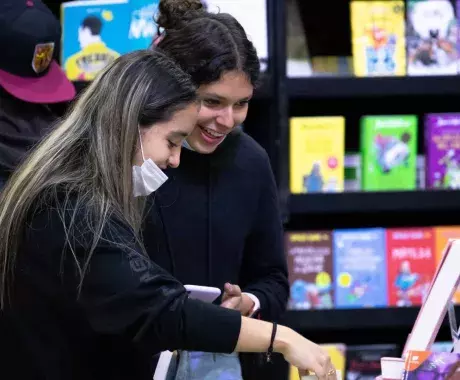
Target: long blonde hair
<point>89,153</point>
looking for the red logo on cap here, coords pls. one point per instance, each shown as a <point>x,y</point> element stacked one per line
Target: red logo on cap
<point>43,55</point>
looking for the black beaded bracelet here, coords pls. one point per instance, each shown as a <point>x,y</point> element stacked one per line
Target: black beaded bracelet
<point>272,340</point>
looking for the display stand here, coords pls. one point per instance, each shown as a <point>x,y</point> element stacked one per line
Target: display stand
<point>434,308</point>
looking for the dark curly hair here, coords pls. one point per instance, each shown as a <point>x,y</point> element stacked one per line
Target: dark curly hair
<point>205,44</point>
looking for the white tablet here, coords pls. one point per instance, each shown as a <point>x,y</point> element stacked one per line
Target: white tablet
<point>203,293</point>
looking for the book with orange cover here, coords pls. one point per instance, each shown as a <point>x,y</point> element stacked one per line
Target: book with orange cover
<point>442,236</point>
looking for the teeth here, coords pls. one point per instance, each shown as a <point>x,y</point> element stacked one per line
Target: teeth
<point>213,133</point>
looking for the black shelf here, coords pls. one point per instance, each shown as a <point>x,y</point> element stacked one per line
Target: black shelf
<point>375,202</point>
<point>354,319</point>
<point>345,87</point>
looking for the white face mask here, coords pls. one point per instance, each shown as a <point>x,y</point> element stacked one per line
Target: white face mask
<point>148,177</point>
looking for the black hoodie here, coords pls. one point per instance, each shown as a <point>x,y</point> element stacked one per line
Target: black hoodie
<point>217,220</point>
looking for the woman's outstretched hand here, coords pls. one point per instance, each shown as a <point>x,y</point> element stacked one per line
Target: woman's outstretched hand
<point>304,354</point>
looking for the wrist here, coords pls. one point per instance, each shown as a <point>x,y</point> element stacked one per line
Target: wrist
<point>281,342</point>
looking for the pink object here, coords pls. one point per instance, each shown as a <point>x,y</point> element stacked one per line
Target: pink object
<point>53,87</point>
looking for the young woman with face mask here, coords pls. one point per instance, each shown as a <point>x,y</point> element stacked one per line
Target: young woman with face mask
<point>79,297</point>
<point>219,212</point>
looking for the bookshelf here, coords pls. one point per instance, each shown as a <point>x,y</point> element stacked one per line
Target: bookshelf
<point>328,33</point>
<point>354,319</point>
<point>375,202</point>
<point>350,87</point>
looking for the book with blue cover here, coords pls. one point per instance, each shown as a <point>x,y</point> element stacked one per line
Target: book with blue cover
<point>142,28</point>
<point>360,268</point>
<point>94,34</point>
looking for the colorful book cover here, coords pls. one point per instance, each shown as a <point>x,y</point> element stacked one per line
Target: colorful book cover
<point>142,28</point>
<point>411,265</point>
<point>431,37</point>
<point>317,152</point>
<point>309,257</point>
<point>378,38</point>
<point>442,236</point>
<point>94,34</point>
<point>363,362</point>
<point>389,152</point>
<point>442,134</point>
<point>360,268</point>
<point>428,365</point>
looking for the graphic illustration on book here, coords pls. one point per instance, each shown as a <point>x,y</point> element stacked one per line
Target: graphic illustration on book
<point>310,266</point>
<point>392,151</point>
<point>431,37</point>
<point>389,148</point>
<point>94,35</point>
<point>317,153</point>
<point>411,265</point>
<point>378,37</point>
<point>443,151</point>
<point>142,28</point>
<point>360,268</point>
<point>428,365</point>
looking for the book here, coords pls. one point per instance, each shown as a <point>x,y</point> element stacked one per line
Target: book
<point>309,256</point>
<point>427,365</point>
<point>142,27</point>
<point>431,37</point>
<point>378,38</point>
<point>442,134</point>
<point>389,152</point>
<point>442,236</point>
<point>360,268</point>
<point>94,34</point>
<point>317,151</point>
<point>411,265</point>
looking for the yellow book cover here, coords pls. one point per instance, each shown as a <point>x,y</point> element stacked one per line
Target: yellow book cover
<point>442,236</point>
<point>317,152</point>
<point>337,353</point>
<point>378,38</point>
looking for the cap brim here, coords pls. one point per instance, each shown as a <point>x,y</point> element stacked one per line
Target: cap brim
<point>53,87</point>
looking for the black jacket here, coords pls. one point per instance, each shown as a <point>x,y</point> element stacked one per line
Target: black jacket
<point>129,308</point>
<point>22,125</point>
<point>217,220</point>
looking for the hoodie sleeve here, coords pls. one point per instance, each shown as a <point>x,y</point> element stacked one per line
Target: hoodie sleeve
<point>126,295</point>
<point>264,268</point>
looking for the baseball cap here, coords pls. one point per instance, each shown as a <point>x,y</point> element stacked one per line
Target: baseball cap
<point>29,40</point>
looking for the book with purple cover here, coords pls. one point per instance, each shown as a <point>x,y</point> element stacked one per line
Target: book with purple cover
<point>442,133</point>
<point>428,365</point>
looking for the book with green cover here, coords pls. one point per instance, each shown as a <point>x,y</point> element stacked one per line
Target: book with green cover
<point>389,152</point>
